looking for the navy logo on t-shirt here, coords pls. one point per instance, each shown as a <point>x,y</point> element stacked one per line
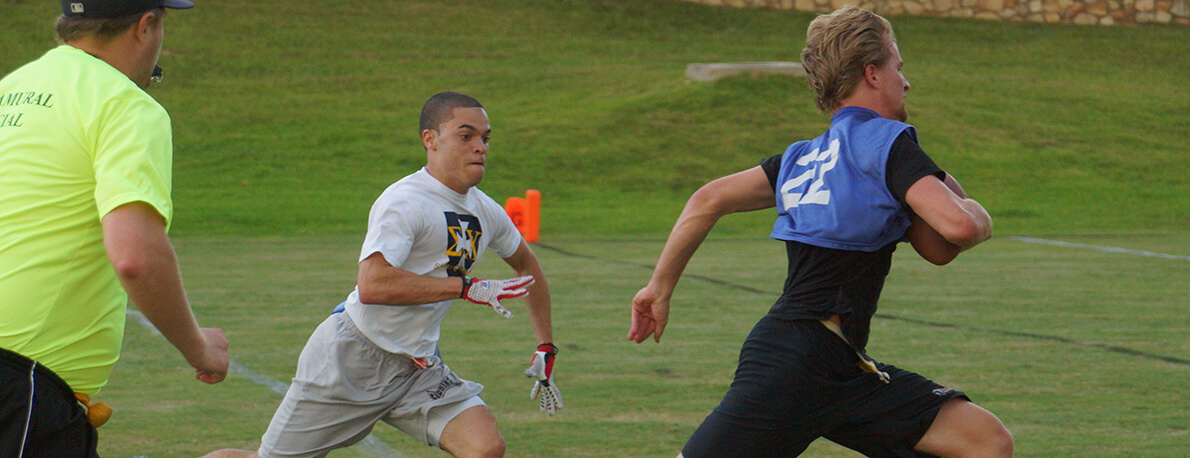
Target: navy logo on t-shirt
<point>462,242</point>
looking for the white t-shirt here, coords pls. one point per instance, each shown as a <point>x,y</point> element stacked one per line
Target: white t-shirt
<point>420,225</point>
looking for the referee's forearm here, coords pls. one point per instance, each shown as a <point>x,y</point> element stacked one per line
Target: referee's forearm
<point>158,292</point>
<point>145,263</point>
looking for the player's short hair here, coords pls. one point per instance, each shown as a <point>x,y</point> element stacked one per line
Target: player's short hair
<point>437,110</point>
<point>103,29</point>
<point>839,46</point>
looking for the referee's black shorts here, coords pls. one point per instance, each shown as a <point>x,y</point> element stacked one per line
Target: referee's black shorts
<point>797,381</point>
<point>39,415</point>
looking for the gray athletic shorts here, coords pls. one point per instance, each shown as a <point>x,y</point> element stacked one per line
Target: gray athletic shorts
<point>345,384</point>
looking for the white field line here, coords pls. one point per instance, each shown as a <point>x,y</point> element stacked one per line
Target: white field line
<point>1100,248</point>
<point>373,446</point>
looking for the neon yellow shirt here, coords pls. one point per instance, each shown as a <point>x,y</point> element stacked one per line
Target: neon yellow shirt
<point>77,139</point>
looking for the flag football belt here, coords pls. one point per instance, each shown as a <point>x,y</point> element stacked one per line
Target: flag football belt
<point>865,363</point>
<point>97,413</point>
<point>423,363</point>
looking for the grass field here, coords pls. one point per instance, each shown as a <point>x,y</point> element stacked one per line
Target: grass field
<point>291,117</point>
<point>311,108</point>
<point>1080,352</point>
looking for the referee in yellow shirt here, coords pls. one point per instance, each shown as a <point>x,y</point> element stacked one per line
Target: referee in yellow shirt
<point>85,177</point>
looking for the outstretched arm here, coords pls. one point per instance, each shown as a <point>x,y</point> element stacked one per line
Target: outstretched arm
<point>945,221</point>
<point>541,365</point>
<point>524,262</point>
<point>144,260</point>
<point>748,190</point>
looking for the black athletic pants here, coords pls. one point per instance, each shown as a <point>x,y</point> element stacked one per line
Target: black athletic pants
<point>39,415</point>
<point>797,381</point>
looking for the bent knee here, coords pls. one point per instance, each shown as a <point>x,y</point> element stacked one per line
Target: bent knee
<point>496,449</point>
<point>1000,443</point>
<point>994,439</point>
<point>491,449</point>
<point>963,429</point>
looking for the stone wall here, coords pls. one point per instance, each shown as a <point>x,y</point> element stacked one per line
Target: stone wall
<point>1085,12</point>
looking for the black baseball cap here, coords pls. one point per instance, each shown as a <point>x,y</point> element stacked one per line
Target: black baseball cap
<point>96,9</point>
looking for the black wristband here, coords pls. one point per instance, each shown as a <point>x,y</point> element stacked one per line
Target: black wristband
<point>552,350</point>
<point>466,286</point>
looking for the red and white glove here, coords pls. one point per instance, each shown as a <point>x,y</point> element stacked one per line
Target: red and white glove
<point>490,292</point>
<point>541,367</point>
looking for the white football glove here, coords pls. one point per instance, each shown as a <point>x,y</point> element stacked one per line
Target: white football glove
<point>490,292</point>
<point>541,367</point>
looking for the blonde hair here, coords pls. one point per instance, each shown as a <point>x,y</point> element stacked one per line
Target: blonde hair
<point>839,47</point>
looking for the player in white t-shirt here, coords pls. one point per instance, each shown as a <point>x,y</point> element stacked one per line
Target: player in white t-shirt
<point>375,358</point>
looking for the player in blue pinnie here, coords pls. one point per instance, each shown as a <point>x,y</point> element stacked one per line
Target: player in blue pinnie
<point>375,358</point>
<point>844,200</point>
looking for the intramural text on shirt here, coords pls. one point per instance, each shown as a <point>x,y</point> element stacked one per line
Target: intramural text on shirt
<point>14,99</point>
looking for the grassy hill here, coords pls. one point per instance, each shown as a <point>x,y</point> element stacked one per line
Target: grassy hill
<point>291,117</point>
